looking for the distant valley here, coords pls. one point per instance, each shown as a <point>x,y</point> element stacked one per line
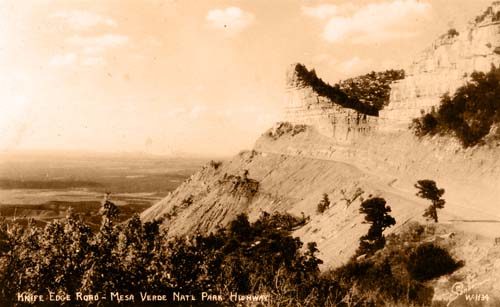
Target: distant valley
<point>43,187</point>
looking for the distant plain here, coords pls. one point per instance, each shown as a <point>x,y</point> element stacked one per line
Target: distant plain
<point>44,186</point>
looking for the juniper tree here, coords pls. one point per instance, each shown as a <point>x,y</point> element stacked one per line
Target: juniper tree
<point>324,204</point>
<point>63,246</point>
<point>427,189</point>
<point>102,273</point>
<point>377,214</point>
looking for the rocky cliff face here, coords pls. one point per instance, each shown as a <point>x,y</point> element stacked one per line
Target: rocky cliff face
<point>337,151</point>
<point>308,108</point>
<point>444,67</point>
<point>441,68</point>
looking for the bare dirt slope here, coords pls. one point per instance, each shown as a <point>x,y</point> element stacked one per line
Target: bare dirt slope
<point>290,172</point>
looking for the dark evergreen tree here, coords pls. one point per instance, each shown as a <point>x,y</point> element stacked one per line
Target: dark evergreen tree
<point>102,273</point>
<point>427,189</point>
<point>377,215</point>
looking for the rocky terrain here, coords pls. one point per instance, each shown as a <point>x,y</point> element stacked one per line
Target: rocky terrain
<point>291,167</point>
<point>443,67</point>
<point>293,164</point>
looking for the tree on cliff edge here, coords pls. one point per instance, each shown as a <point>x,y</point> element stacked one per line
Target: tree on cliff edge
<point>427,189</point>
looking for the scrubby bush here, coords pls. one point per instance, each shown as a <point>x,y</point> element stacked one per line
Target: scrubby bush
<point>429,261</point>
<point>279,220</point>
<point>470,115</point>
<point>349,199</point>
<point>426,125</point>
<point>452,32</point>
<point>488,15</point>
<point>245,257</point>
<point>241,185</point>
<point>284,128</point>
<point>215,164</point>
<point>249,258</point>
<point>396,275</point>
<point>324,204</point>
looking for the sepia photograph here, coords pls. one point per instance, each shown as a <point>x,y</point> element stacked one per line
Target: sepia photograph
<point>270,153</point>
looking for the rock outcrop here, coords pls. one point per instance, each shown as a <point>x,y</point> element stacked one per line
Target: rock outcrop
<point>327,148</point>
<point>444,67</point>
<point>308,108</point>
<point>441,68</point>
<point>305,106</point>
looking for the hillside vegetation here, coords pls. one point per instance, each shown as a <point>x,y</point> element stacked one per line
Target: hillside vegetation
<point>470,115</point>
<point>372,88</point>
<point>260,259</point>
<point>366,94</point>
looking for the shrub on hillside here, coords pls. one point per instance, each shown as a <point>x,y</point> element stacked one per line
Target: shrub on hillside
<point>249,258</point>
<point>279,220</point>
<point>470,115</point>
<point>452,33</point>
<point>397,274</point>
<point>323,204</point>
<point>426,125</point>
<point>284,128</point>
<point>240,185</point>
<point>215,164</point>
<point>429,261</point>
<point>246,257</point>
<point>488,14</point>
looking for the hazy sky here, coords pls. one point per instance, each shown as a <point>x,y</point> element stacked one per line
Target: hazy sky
<point>194,76</point>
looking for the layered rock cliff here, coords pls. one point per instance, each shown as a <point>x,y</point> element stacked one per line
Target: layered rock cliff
<point>351,156</point>
<point>443,67</point>
<point>308,108</point>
